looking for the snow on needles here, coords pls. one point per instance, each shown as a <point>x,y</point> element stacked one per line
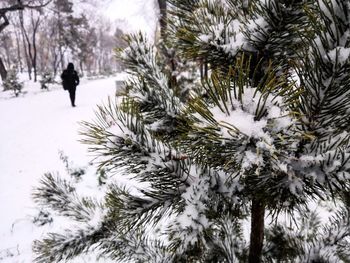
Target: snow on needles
<point>242,116</point>
<point>339,55</point>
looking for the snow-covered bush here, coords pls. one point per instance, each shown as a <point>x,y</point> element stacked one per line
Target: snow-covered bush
<point>46,79</point>
<point>12,83</point>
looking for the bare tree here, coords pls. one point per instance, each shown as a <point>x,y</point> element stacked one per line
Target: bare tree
<point>4,21</point>
<point>18,48</point>
<point>84,38</point>
<point>35,21</point>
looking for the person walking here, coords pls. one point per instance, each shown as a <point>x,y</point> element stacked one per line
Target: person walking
<point>70,81</point>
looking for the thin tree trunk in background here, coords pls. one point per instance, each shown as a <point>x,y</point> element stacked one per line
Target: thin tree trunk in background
<point>55,63</point>
<point>29,68</point>
<point>81,67</point>
<point>5,23</point>
<point>34,58</point>
<point>26,53</point>
<point>60,47</point>
<point>32,52</point>
<point>7,59</point>
<point>162,18</point>
<point>16,6</point>
<point>257,231</point>
<point>171,60</point>
<point>61,58</point>
<point>35,25</point>
<point>3,71</point>
<point>19,56</point>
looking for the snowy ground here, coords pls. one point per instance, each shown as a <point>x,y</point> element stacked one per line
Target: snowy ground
<point>34,129</point>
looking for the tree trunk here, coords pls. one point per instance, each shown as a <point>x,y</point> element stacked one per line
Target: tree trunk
<point>81,67</point>
<point>29,68</point>
<point>3,71</point>
<point>257,231</point>
<point>5,23</point>
<point>7,58</point>
<point>26,52</point>
<point>34,62</point>
<point>60,47</point>
<point>55,63</point>
<point>35,25</point>
<point>19,56</point>
<point>163,18</point>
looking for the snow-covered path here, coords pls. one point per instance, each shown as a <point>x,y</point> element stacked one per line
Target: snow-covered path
<point>34,128</point>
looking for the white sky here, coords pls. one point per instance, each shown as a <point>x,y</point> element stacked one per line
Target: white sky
<point>139,14</point>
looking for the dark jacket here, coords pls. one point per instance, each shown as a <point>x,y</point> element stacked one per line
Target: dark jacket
<point>70,78</point>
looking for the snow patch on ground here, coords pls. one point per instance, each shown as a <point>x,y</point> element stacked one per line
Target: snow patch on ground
<point>35,127</point>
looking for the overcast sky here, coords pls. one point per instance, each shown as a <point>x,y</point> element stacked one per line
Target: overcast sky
<point>139,14</point>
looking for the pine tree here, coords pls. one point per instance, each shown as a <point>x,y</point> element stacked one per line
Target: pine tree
<point>46,79</point>
<point>12,83</point>
<point>262,135</point>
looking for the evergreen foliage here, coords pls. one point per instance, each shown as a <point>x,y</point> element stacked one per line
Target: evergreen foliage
<point>12,83</point>
<point>46,79</point>
<point>262,135</point>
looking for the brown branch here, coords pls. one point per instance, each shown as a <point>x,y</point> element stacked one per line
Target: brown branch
<point>17,7</point>
<point>5,23</point>
<point>37,6</point>
<point>11,8</point>
<point>20,6</point>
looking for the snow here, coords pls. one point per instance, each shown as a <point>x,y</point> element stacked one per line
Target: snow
<point>229,38</point>
<point>241,117</point>
<point>251,159</point>
<point>35,128</point>
<point>193,220</point>
<point>339,55</point>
